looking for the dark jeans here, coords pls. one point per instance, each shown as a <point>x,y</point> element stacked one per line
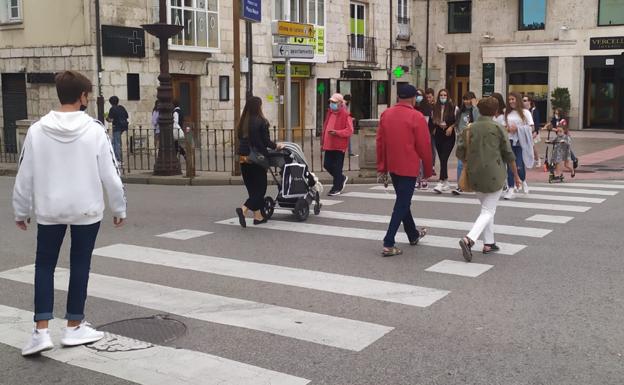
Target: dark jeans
<point>49,241</point>
<point>333,163</point>
<point>404,188</point>
<point>433,150</point>
<point>444,145</point>
<point>255,179</point>
<point>517,150</point>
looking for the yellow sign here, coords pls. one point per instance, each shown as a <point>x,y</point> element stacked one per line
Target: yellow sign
<point>296,70</point>
<point>287,28</point>
<point>318,41</point>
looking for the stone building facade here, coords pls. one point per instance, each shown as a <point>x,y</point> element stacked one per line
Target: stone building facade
<point>351,55</point>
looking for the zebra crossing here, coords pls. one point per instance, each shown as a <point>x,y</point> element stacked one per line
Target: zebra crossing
<point>162,364</point>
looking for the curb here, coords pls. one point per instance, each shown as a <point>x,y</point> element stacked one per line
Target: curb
<point>225,181</point>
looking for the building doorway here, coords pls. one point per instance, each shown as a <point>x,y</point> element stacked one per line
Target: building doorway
<point>186,92</point>
<point>14,108</point>
<point>529,76</point>
<point>457,75</point>
<point>361,97</point>
<point>297,109</point>
<point>604,92</point>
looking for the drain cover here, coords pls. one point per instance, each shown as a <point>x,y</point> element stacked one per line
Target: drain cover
<point>158,329</point>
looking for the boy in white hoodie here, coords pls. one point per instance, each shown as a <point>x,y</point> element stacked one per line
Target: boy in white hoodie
<point>66,159</point>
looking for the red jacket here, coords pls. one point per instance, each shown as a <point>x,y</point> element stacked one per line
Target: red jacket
<point>403,141</point>
<point>342,123</point>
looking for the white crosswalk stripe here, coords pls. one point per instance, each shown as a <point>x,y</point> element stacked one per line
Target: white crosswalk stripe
<point>156,365</point>
<point>461,268</point>
<point>315,280</point>
<point>593,185</point>
<point>184,234</point>
<point>428,222</point>
<point>358,233</point>
<point>549,218</point>
<point>472,201</point>
<point>318,328</point>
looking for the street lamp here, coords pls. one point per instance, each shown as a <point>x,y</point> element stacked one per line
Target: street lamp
<point>167,163</point>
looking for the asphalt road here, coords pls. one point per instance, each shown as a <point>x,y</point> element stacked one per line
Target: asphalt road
<point>550,313</point>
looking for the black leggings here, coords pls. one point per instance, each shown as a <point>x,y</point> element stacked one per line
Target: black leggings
<point>255,179</point>
<point>444,145</point>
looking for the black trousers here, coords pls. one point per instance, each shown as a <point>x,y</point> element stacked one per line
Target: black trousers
<point>333,163</point>
<point>444,145</point>
<point>255,179</point>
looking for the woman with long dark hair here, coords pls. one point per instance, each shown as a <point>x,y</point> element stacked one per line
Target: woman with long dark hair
<point>444,133</point>
<point>467,113</point>
<point>519,124</point>
<point>253,134</point>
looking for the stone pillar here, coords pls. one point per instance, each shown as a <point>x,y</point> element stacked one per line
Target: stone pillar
<point>20,132</point>
<point>368,148</point>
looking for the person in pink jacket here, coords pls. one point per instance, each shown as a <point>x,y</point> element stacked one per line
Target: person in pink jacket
<point>337,129</point>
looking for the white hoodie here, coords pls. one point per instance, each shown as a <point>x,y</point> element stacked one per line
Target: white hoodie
<point>66,158</point>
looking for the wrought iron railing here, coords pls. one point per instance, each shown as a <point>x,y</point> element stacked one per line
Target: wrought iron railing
<point>362,49</point>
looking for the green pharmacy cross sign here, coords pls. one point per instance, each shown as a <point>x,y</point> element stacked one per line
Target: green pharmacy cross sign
<point>398,72</point>
<point>381,88</point>
<point>321,88</point>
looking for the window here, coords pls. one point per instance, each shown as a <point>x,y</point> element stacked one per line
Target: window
<point>200,19</point>
<point>460,17</point>
<point>532,15</point>
<point>224,88</point>
<point>10,11</point>
<point>611,12</point>
<point>403,12</point>
<point>134,86</point>
<point>301,11</point>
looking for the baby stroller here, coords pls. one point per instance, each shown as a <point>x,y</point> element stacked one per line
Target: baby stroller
<point>550,164</point>
<point>297,187</point>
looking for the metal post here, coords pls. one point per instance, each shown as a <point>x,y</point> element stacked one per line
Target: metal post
<point>249,54</point>
<point>287,117</point>
<point>427,49</point>
<point>237,72</point>
<point>389,92</point>
<point>98,57</point>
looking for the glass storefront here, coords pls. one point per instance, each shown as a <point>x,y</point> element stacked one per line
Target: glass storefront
<point>529,76</point>
<point>604,92</point>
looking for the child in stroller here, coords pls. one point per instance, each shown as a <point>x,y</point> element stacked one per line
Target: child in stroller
<point>297,186</point>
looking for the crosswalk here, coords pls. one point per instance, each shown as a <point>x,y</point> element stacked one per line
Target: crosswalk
<point>537,216</point>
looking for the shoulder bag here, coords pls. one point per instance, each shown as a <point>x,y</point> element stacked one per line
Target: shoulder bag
<point>464,181</point>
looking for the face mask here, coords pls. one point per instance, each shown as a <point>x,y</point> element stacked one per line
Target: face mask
<point>419,98</point>
<point>443,100</point>
<point>333,106</point>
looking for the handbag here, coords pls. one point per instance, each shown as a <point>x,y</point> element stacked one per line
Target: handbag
<point>464,181</point>
<point>257,158</point>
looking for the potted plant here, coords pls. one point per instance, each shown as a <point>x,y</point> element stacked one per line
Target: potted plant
<point>560,98</point>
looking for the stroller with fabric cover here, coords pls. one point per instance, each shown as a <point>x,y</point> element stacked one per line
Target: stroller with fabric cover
<point>297,187</point>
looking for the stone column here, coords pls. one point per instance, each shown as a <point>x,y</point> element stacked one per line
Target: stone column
<point>20,133</point>
<point>368,148</point>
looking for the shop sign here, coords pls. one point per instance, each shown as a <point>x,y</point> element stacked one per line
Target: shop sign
<point>488,79</point>
<point>614,42</point>
<point>123,41</point>
<point>296,70</point>
<point>288,28</point>
<point>318,41</point>
<point>353,74</point>
<point>252,10</point>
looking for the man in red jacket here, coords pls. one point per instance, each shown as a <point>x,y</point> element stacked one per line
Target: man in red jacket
<point>337,129</point>
<point>402,142</point>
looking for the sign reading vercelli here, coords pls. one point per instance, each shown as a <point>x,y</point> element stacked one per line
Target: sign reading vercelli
<point>613,42</point>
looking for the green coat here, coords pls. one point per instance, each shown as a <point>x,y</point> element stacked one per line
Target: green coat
<point>486,156</point>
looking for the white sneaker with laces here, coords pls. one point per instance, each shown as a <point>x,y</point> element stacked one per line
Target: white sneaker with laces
<point>80,335</point>
<point>510,194</point>
<point>438,188</point>
<point>446,186</point>
<point>40,341</point>
<point>525,187</point>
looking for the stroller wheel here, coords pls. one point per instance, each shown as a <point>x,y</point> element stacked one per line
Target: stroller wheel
<point>269,207</point>
<point>302,209</point>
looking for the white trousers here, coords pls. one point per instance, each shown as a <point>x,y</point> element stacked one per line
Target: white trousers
<point>485,222</point>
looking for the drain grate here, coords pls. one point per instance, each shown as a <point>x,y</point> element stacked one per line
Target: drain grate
<point>158,329</point>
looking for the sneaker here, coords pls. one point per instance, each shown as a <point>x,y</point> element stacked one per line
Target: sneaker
<point>510,194</point>
<point>525,187</point>
<point>445,186</point>
<point>344,184</point>
<point>353,155</point>
<point>424,185</point>
<point>457,191</point>
<point>438,188</point>
<point>80,335</point>
<point>40,341</point>
<point>333,193</point>
<point>505,188</point>
<point>538,163</point>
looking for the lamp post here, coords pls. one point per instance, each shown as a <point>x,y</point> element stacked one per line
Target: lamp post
<point>167,163</point>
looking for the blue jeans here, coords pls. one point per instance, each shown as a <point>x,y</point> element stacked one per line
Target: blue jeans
<point>333,163</point>
<point>517,150</point>
<point>460,167</point>
<point>404,188</point>
<point>117,145</point>
<point>49,241</point>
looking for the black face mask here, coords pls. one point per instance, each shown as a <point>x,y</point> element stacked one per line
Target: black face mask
<point>83,107</point>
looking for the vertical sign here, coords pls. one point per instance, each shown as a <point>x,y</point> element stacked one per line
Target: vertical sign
<point>488,79</point>
<point>252,10</point>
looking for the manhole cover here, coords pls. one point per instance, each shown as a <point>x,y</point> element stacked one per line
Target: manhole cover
<point>158,329</point>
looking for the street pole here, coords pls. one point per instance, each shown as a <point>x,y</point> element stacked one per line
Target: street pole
<point>287,117</point>
<point>427,49</point>
<point>389,92</point>
<point>249,54</point>
<point>237,74</point>
<point>98,58</point>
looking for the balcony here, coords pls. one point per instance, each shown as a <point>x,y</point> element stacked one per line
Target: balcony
<point>404,31</point>
<point>362,49</point>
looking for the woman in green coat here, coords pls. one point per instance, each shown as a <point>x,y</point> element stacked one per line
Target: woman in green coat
<point>485,152</point>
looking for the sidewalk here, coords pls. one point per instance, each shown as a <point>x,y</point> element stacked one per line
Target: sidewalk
<point>600,153</point>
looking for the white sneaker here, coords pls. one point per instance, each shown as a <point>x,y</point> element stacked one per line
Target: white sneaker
<point>344,184</point>
<point>510,194</point>
<point>80,335</point>
<point>40,341</point>
<point>438,188</point>
<point>446,186</point>
<point>525,187</point>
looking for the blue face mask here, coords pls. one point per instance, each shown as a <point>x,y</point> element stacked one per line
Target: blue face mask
<point>333,106</point>
<point>419,98</point>
<point>443,100</point>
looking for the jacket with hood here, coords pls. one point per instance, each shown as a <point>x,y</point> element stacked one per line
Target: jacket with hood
<point>65,160</point>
